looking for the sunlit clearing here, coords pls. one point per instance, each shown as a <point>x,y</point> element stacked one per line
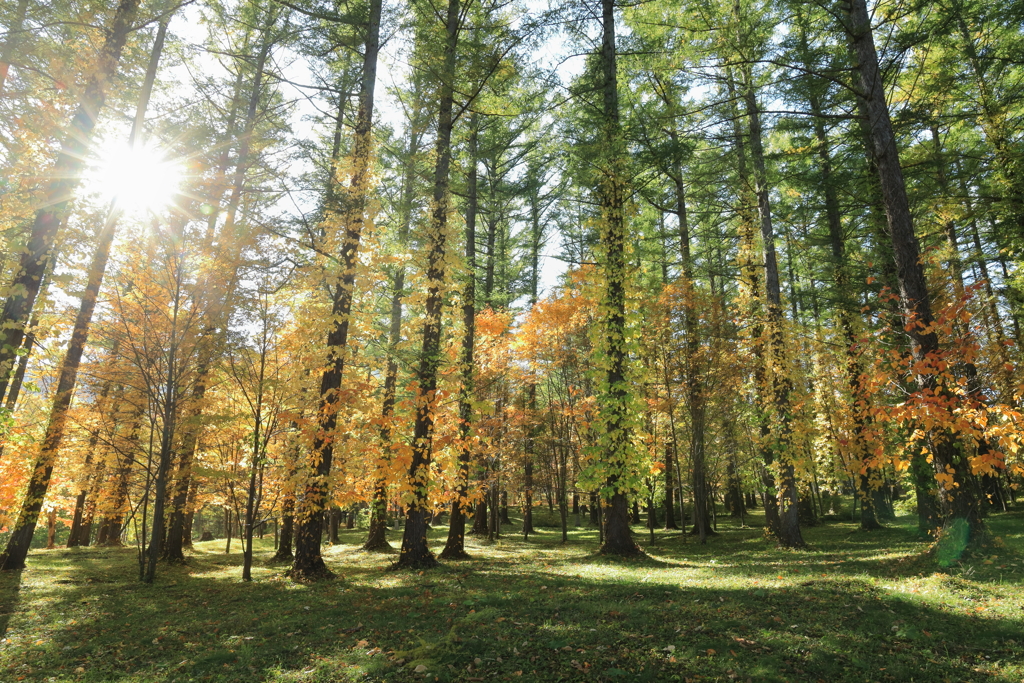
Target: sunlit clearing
<point>142,179</point>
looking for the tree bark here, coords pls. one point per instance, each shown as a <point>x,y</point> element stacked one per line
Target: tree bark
<point>956,497</point>
<point>618,538</point>
<point>376,540</point>
<point>779,382</point>
<point>63,180</point>
<point>455,545</point>
<point>531,390</point>
<point>308,564</point>
<point>480,516</point>
<point>415,552</point>
<point>751,279</point>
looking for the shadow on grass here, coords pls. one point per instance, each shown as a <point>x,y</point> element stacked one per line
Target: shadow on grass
<point>10,595</point>
<point>492,623</point>
<point>534,611</point>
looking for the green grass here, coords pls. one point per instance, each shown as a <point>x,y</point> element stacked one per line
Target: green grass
<point>855,607</point>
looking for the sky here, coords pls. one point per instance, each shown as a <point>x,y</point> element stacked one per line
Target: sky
<point>149,178</point>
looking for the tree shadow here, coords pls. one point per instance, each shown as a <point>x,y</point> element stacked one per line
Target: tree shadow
<point>576,616</point>
<point>10,596</point>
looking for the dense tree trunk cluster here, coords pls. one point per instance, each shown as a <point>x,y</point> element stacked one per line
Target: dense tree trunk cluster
<point>706,270</point>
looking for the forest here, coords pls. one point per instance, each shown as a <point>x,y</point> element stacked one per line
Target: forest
<point>373,287</point>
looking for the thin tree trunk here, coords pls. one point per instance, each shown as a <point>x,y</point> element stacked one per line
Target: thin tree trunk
<point>752,280</point>
<point>376,539</point>
<point>56,198</point>
<point>455,546</point>
<point>529,448</point>
<point>415,552</point>
<point>256,455</point>
<point>779,383</point>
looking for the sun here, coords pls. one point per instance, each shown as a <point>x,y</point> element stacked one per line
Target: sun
<point>140,179</point>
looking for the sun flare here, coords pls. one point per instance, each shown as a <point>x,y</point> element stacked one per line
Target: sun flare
<point>141,179</point>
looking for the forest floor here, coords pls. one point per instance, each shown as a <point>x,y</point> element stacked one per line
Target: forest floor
<point>853,607</point>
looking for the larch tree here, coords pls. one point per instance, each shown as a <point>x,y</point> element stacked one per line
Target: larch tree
<point>352,218</point>
<point>960,508</point>
<point>454,548</point>
<point>408,160</point>
<point>778,448</point>
<point>615,456</point>
<point>415,552</point>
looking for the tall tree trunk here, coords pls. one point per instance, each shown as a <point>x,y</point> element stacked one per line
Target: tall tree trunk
<point>751,278</point>
<point>779,382</point>
<point>530,446</point>
<point>308,562</point>
<point>415,551</point>
<point>870,477</point>
<point>376,539</point>
<point>618,538</point>
<point>956,496</point>
<point>257,454</point>
<point>695,401</point>
<point>455,545</point>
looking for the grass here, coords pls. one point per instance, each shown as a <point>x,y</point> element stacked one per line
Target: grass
<point>854,607</point>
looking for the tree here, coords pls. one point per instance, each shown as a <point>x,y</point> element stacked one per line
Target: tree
<point>62,181</point>
<point>454,548</point>
<point>352,217</point>
<point>614,399</point>
<point>31,273</point>
<point>256,368</point>
<point>377,536</point>
<point>959,505</point>
<point>415,552</point>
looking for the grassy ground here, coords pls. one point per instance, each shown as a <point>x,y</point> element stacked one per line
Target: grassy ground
<point>854,607</point>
